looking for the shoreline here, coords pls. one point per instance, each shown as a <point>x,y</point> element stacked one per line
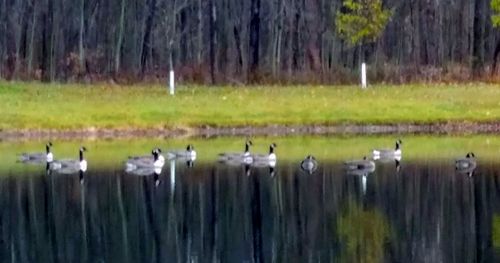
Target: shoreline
<point>275,130</point>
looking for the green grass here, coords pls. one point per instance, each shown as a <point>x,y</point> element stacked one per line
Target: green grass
<point>69,106</point>
<point>113,153</point>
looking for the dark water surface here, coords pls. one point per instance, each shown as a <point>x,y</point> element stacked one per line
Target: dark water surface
<point>426,212</point>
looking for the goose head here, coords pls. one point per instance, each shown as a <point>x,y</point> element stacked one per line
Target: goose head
<point>398,144</point>
<point>271,147</point>
<point>47,147</point>
<point>248,143</point>
<point>82,149</point>
<point>160,156</point>
<point>155,154</point>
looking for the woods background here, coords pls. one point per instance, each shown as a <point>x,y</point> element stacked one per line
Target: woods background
<point>237,41</point>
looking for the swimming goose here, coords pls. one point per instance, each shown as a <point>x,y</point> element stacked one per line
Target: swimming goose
<point>309,164</point>
<point>265,159</point>
<point>388,153</point>
<point>69,166</point>
<point>467,164</point>
<point>38,158</point>
<point>188,154</point>
<point>363,165</point>
<point>238,158</point>
<point>148,158</point>
<point>155,160</point>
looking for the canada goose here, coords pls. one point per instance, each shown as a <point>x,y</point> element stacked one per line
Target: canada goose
<point>145,163</point>
<point>309,164</point>
<point>148,158</point>
<point>467,164</point>
<point>271,156</point>
<point>360,165</point>
<point>260,160</point>
<point>388,153</point>
<point>238,158</point>
<point>69,166</point>
<point>189,153</point>
<point>39,157</point>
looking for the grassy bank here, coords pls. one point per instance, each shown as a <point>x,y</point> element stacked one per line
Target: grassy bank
<point>67,106</point>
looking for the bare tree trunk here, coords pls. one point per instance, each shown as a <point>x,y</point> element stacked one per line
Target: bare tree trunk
<point>495,58</point>
<point>313,30</point>
<point>296,36</point>
<point>3,37</point>
<point>119,42</point>
<point>213,39</point>
<point>277,36</point>
<point>16,24</point>
<point>254,39</point>
<point>80,36</point>
<point>47,41</point>
<point>478,40</point>
<point>147,35</point>
<point>171,32</point>
<point>32,37</point>
<point>199,51</point>
<point>239,52</point>
<point>415,51</point>
<point>54,39</point>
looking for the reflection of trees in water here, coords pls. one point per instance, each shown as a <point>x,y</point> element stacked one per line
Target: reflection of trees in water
<point>220,213</point>
<point>362,233</point>
<point>496,231</point>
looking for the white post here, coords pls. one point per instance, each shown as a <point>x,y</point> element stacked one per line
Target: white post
<point>363,75</point>
<point>172,82</point>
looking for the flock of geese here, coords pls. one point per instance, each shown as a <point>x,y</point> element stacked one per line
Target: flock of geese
<point>153,163</point>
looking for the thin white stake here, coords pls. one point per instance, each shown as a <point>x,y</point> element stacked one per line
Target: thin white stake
<point>172,82</point>
<point>363,75</point>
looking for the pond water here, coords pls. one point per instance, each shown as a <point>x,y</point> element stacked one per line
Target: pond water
<point>421,211</point>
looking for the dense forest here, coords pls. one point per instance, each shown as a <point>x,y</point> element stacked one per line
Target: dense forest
<point>237,42</point>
